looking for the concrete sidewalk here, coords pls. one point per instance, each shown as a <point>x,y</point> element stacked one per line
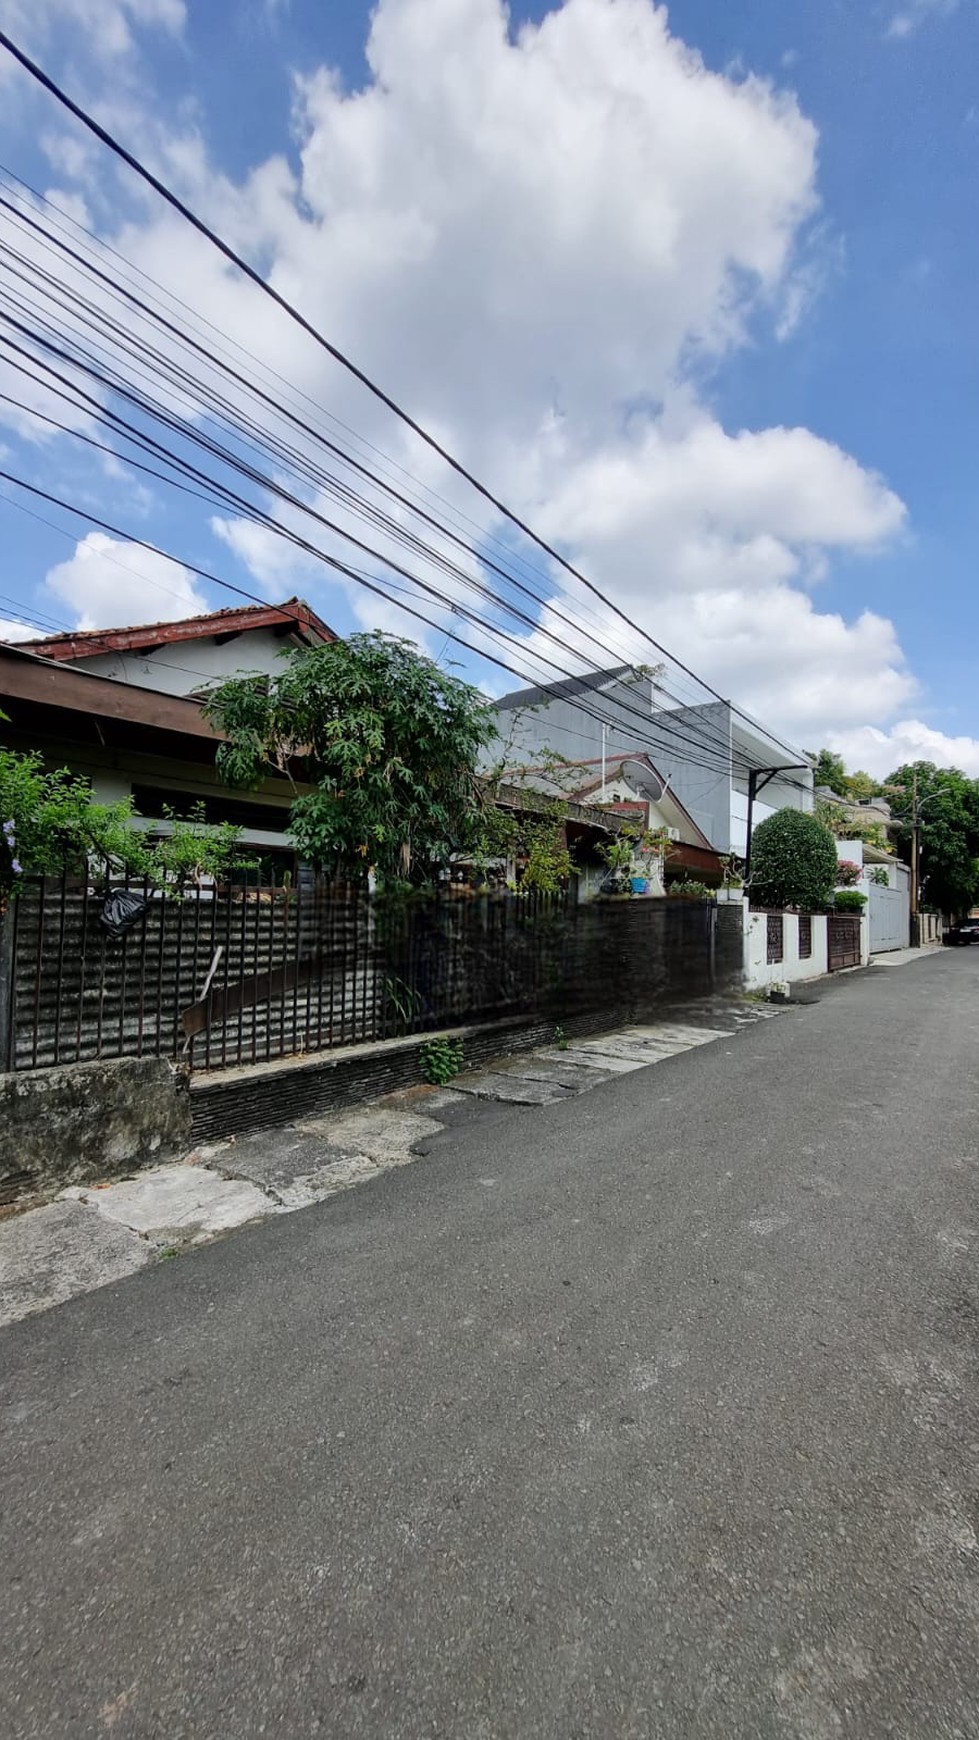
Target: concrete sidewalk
<point>96,1234</point>
<point>904,957</point>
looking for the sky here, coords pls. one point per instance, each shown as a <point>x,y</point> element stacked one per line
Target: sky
<point>691,289</point>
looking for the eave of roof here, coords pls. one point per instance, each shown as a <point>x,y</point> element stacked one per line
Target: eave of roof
<point>294,616</point>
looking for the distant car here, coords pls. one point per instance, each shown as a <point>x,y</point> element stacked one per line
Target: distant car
<point>966,931</point>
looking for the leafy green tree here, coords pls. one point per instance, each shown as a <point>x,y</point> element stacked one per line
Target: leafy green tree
<point>389,741</point>
<point>51,821</point>
<point>193,849</point>
<point>948,807</point>
<point>860,786</point>
<point>793,861</point>
<point>828,769</point>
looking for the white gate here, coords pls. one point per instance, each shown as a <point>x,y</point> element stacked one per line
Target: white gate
<point>890,916</point>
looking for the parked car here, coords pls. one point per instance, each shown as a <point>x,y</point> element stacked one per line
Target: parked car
<point>966,931</point>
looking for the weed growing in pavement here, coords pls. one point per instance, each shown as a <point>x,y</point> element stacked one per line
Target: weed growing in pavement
<point>441,1060</point>
<point>561,1039</point>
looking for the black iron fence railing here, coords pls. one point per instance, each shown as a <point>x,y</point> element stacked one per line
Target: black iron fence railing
<point>241,975</point>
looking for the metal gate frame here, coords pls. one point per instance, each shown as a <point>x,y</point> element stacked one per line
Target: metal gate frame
<point>842,940</point>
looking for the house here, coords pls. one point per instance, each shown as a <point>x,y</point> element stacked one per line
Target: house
<point>704,754</point>
<point>121,707</point>
<point>860,818</point>
<point>186,657</point>
<point>632,788</point>
<point>131,742</point>
<point>885,884</point>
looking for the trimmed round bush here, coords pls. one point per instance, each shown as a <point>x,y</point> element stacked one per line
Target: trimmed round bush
<point>793,862</point>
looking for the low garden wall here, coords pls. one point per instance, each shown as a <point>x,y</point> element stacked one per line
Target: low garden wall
<point>790,947</point>
<point>86,1121</point>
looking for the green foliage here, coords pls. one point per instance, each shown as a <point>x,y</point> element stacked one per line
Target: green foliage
<point>793,861</point>
<point>689,888</point>
<point>561,1039</point>
<point>949,810</point>
<point>403,1000</point>
<point>860,786</point>
<point>828,769</point>
<point>389,741</point>
<point>548,860</point>
<point>192,849</point>
<point>441,1060</point>
<point>844,826</point>
<point>53,822</point>
<point>850,900</point>
<point>878,875</point>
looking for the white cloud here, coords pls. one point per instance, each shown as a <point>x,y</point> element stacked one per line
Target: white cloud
<point>541,241</point>
<point>106,26</point>
<point>880,752</point>
<point>14,631</point>
<point>916,12</point>
<point>108,582</point>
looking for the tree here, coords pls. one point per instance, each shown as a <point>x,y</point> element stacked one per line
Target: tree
<point>793,861</point>
<point>860,786</point>
<point>51,821</point>
<point>828,769</point>
<point>948,807</point>
<point>389,741</point>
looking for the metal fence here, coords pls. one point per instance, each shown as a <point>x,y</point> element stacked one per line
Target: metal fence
<point>243,975</point>
<point>775,937</point>
<point>843,940</point>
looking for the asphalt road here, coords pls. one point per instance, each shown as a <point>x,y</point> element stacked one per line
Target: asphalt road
<point>654,1413</point>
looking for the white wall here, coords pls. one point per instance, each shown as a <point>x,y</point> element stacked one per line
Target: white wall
<point>184,667</point>
<point>759,973</point>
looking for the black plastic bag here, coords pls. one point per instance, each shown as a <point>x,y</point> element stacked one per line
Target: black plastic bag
<point>121,910</point>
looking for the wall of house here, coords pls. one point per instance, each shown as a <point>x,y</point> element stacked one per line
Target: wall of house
<point>677,739</point>
<point>114,773</point>
<point>187,666</point>
<point>688,745</point>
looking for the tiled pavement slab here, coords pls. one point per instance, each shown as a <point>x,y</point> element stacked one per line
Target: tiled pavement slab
<point>511,1089</point>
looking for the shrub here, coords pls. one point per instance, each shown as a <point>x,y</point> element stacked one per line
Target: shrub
<point>689,889</point>
<point>850,900</point>
<point>441,1060</point>
<point>847,873</point>
<point>793,862</point>
<point>879,877</point>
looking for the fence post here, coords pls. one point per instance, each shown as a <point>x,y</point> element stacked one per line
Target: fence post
<point>7,989</point>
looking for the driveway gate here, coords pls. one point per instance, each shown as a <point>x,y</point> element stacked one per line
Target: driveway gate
<point>843,936</point>
<point>890,918</point>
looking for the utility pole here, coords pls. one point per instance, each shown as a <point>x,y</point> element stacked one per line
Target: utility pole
<point>917,805</point>
<point>915,863</point>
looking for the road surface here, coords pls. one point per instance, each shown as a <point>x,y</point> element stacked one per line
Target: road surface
<point>654,1413</point>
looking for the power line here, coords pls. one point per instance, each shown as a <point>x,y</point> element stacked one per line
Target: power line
<point>207,574</point>
<point>670,727</point>
<point>332,350</point>
<point>719,739</point>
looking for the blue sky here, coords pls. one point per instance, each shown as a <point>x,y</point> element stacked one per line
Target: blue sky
<point>751,416</point>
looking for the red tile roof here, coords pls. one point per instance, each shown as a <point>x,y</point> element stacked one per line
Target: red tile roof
<point>293,617</point>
